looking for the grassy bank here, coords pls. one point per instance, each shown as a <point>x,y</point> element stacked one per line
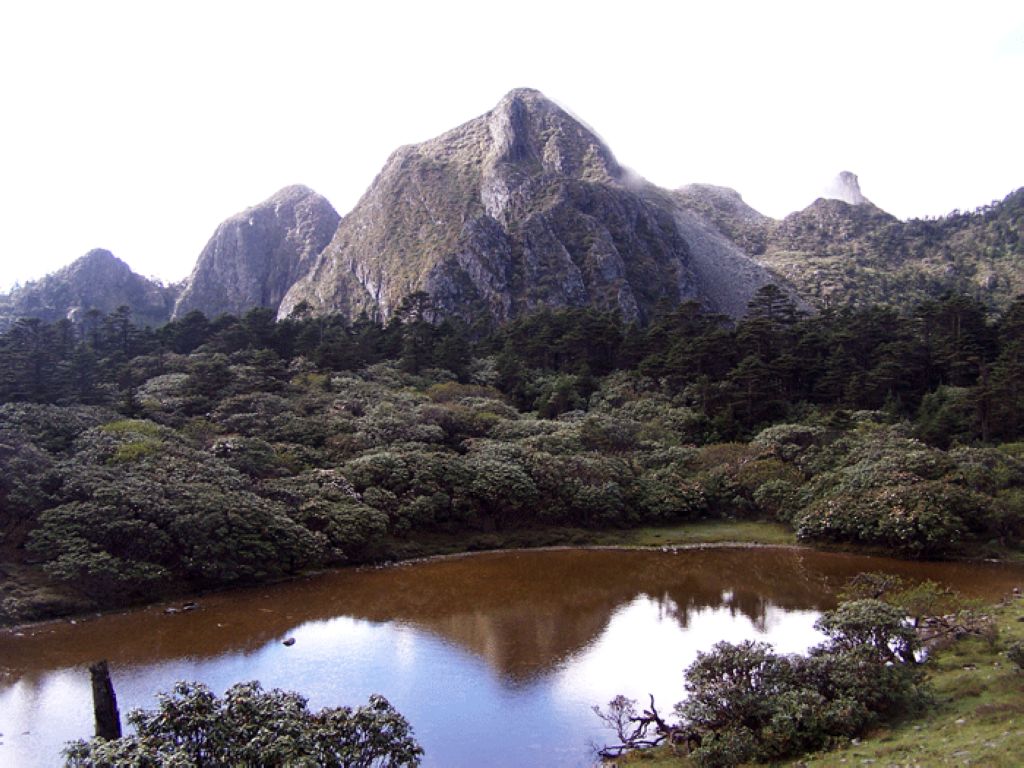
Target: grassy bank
<point>30,595</point>
<point>702,532</point>
<point>978,703</point>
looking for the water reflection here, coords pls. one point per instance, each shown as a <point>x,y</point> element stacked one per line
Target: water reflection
<point>487,655</point>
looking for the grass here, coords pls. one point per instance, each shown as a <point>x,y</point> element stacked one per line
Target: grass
<point>705,532</point>
<point>979,703</point>
<point>975,719</point>
<point>685,534</point>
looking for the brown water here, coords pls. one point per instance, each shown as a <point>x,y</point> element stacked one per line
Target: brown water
<point>495,659</point>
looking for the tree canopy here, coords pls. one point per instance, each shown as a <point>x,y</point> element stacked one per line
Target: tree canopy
<point>250,726</point>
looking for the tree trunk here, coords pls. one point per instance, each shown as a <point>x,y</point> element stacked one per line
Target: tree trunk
<point>104,702</point>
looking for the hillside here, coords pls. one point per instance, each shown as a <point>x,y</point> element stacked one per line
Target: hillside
<point>96,281</point>
<point>837,251</point>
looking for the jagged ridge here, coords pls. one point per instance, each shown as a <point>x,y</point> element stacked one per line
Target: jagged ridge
<point>520,208</point>
<point>849,251</point>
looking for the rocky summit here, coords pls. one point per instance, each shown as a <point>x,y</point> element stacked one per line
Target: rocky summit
<point>525,208</point>
<point>521,208</point>
<point>255,256</point>
<point>846,187</point>
<point>96,281</point>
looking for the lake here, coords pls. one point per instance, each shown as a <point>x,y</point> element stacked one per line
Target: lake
<point>496,659</point>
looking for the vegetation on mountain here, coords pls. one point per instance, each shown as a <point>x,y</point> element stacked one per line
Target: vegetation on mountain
<point>519,209</point>
<point>836,254</point>
<point>525,209</point>
<point>85,290</point>
<point>140,462</point>
<point>255,256</point>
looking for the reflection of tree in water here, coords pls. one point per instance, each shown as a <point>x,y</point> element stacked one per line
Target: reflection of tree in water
<point>749,586</point>
<point>523,612</point>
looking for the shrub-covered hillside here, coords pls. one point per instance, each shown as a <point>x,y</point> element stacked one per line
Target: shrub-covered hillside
<point>137,463</point>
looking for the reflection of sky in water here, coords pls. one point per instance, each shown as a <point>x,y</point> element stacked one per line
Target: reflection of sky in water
<point>463,711</point>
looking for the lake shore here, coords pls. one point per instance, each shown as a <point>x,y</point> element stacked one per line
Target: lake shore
<point>693,535</point>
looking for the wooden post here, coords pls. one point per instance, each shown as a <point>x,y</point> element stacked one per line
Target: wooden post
<point>104,702</point>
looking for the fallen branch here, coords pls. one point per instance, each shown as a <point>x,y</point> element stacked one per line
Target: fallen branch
<point>640,731</point>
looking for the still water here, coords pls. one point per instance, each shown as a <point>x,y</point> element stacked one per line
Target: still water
<point>495,659</point>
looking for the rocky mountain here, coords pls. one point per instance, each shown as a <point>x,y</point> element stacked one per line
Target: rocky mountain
<point>843,249</point>
<point>98,280</point>
<point>521,208</point>
<point>255,256</point>
<point>837,253</point>
<point>525,207</point>
<point>724,209</point>
<point>846,187</point>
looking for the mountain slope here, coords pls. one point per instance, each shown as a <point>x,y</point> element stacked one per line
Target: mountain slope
<point>255,256</point>
<point>837,253</point>
<point>843,249</point>
<point>98,280</point>
<point>724,209</point>
<point>521,208</point>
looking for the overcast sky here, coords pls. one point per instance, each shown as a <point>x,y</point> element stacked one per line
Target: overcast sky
<point>139,126</point>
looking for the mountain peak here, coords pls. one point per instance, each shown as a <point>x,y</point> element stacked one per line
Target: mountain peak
<point>292,191</point>
<point>845,187</point>
<point>97,265</point>
<point>97,258</point>
<point>520,208</point>
<point>529,130</point>
<point>525,93</point>
<point>256,255</point>
<point>97,254</point>
<point>97,280</point>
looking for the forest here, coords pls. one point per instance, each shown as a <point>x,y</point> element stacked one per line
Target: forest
<point>140,462</point>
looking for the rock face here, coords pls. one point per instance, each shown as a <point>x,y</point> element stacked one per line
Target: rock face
<point>255,256</point>
<point>98,280</point>
<point>521,208</point>
<point>728,213</point>
<point>846,187</point>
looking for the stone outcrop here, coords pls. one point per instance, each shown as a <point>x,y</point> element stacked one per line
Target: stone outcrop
<point>521,208</point>
<point>846,187</point>
<point>255,256</point>
<point>96,281</point>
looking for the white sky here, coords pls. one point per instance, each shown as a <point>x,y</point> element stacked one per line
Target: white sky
<point>139,126</point>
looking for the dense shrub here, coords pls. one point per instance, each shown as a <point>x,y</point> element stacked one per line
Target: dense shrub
<point>219,436</point>
<point>922,520</point>
<point>251,726</point>
<point>140,509</point>
<point>888,491</point>
<point>747,703</point>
